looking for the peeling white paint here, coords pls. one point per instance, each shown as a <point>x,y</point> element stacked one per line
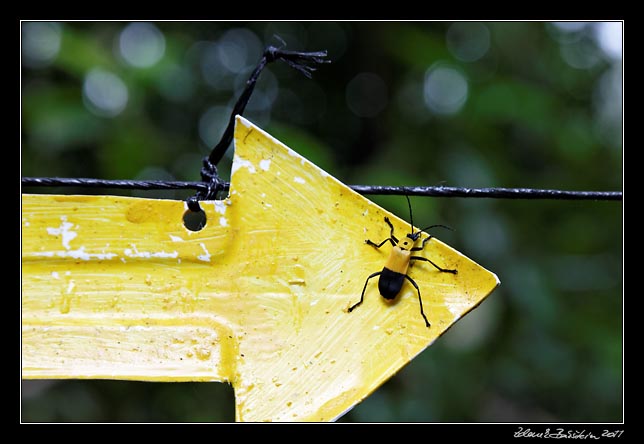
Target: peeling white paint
<point>267,205</point>
<point>206,256</point>
<point>299,180</point>
<point>220,207</point>
<point>70,287</point>
<point>133,252</point>
<point>238,163</point>
<point>76,254</point>
<point>134,328</point>
<point>65,231</point>
<point>55,275</point>
<point>223,221</point>
<point>292,153</point>
<point>265,164</point>
<point>176,238</point>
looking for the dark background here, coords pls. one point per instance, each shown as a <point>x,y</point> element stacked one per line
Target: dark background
<point>474,104</point>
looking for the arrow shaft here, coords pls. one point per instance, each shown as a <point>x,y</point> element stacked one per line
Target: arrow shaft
<point>104,295</point>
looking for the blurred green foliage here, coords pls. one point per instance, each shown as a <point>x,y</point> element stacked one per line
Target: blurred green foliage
<point>464,104</point>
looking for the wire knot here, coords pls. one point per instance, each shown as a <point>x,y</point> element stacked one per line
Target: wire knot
<point>271,54</point>
<point>213,185</point>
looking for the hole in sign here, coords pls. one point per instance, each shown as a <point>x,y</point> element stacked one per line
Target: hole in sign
<point>194,220</point>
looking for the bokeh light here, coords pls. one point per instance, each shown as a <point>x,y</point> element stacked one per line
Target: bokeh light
<point>40,43</point>
<point>141,44</point>
<point>468,41</point>
<point>581,53</point>
<point>212,70</point>
<point>609,36</point>
<point>238,49</point>
<point>445,89</point>
<point>104,93</point>
<point>584,44</point>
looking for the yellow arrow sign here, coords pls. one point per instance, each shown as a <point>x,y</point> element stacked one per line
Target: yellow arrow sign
<point>118,288</point>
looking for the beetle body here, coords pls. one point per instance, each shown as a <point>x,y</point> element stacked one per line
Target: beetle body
<point>393,275</point>
<point>398,260</point>
<point>390,283</point>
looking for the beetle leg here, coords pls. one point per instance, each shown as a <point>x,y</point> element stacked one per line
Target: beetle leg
<point>391,227</point>
<point>363,290</point>
<point>392,238</point>
<point>419,300</point>
<point>444,270</point>
<point>373,244</point>
<point>423,244</point>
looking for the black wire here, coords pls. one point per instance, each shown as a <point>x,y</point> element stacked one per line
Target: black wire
<point>300,61</point>
<point>497,193</point>
<point>435,191</point>
<point>105,183</point>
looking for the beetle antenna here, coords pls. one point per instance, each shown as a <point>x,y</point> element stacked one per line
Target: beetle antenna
<point>437,225</point>
<point>411,217</point>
